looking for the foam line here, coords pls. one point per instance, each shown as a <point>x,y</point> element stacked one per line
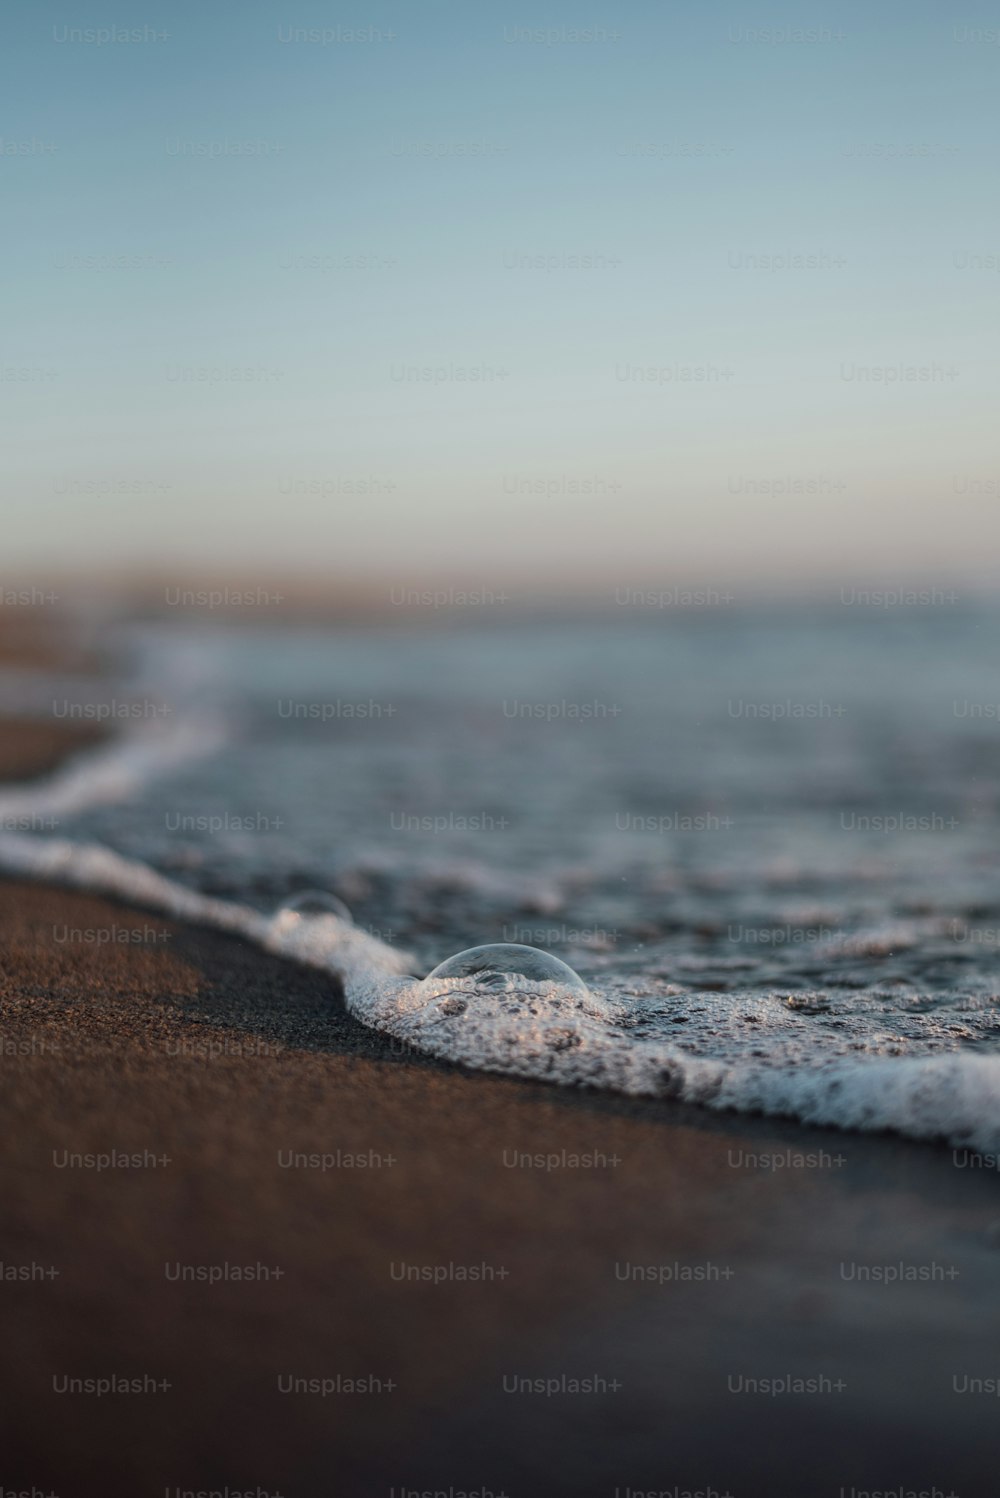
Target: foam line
<point>559,1037</point>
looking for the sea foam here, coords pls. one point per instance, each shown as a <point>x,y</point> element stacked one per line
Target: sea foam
<point>573,1036</point>
<point>881,1051</point>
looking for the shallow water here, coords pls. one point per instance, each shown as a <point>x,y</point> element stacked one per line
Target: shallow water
<point>766,842</point>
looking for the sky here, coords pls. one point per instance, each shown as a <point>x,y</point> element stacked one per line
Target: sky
<point>687,293</point>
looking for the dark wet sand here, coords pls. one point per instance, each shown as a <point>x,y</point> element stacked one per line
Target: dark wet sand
<point>39,644</point>
<point>30,748</point>
<point>201,1049</point>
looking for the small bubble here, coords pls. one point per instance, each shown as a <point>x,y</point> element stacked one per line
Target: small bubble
<point>310,903</point>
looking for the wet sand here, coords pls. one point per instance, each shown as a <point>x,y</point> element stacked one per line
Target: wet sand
<point>216,1065</point>
<point>30,748</point>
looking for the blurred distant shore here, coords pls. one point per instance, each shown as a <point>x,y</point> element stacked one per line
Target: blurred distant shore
<point>31,606</point>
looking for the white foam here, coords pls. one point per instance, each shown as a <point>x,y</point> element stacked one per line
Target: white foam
<point>113,771</point>
<point>559,1036</point>
<point>955,1098</point>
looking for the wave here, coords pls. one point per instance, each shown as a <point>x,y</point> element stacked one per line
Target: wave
<point>586,1039</point>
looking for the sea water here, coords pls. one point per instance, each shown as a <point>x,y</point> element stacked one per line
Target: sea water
<point>762,844</point>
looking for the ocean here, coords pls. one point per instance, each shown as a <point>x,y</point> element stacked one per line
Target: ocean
<point>764,840</point>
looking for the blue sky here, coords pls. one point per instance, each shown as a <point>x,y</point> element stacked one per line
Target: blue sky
<point>234,252</point>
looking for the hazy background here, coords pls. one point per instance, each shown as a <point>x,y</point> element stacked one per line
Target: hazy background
<point>238,243</point>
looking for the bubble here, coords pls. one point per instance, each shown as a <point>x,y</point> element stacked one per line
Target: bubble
<point>310,903</point>
<point>503,967</point>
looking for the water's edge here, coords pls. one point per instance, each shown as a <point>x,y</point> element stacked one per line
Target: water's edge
<point>565,1040</point>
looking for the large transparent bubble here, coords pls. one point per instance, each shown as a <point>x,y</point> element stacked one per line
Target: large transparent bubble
<point>503,968</point>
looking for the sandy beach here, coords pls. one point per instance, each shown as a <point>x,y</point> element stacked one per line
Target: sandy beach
<point>250,1245</point>
<point>499,774</point>
<point>225,1077</point>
